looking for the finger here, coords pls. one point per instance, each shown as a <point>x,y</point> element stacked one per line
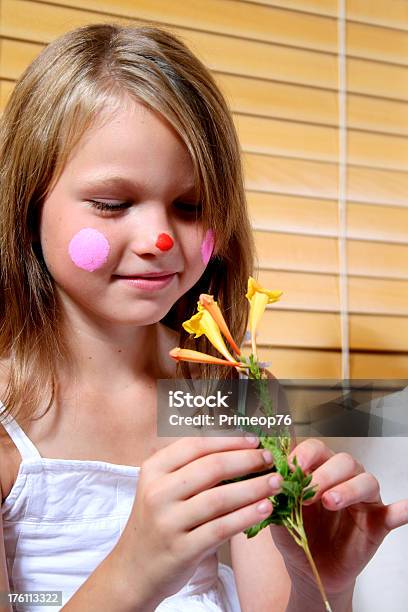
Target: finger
<point>337,469</point>
<point>185,450</point>
<point>362,488</point>
<point>310,454</point>
<point>396,514</point>
<point>219,501</point>
<point>206,472</point>
<point>216,532</point>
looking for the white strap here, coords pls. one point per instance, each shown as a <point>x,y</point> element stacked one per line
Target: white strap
<point>20,439</point>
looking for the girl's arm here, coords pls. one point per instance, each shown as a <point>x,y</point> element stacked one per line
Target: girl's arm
<point>263,582</point>
<point>260,573</point>
<point>107,589</point>
<point>311,601</point>
<point>178,517</point>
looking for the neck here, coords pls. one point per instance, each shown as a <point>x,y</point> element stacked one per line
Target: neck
<point>116,358</point>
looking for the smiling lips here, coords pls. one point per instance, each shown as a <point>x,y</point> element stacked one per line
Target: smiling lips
<point>152,275</point>
<point>148,283</point>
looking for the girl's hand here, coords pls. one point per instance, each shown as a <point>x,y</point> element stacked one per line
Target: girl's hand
<point>345,521</point>
<point>179,516</point>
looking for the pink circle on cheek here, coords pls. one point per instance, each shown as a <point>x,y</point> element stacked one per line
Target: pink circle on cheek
<point>207,246</point>
<point>89,249</point>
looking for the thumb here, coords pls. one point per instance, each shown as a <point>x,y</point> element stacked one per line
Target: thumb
<point>396,515</point>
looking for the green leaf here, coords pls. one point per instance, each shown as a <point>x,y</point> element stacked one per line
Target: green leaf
<point>308,493</point>
<point>307,480</point>
<point>255,529</point>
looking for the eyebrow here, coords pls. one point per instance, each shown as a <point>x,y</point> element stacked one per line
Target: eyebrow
<point>107,181</point>
<point>120,181</point>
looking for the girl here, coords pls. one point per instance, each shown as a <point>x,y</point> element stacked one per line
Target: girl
<point>122,200</point>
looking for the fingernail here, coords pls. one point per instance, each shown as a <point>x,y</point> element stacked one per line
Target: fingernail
<point>334,497</point>
<point>254,440</point>
<point>267,455</point>
<point>275,482</point>
<point>264,507</point>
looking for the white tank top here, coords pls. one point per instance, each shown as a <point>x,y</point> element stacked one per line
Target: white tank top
<point>63,517</point>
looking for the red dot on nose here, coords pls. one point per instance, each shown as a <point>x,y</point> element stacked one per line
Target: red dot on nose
<point>164,242</point>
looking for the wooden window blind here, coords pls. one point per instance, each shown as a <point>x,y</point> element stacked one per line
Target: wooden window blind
<point>279,64</point>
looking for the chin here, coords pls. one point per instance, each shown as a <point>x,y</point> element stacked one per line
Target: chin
<point>140,316</point>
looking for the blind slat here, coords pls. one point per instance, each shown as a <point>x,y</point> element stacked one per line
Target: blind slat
<point>370,259</point>
<point>322,330</point>
<point>314,254</point>
<point>377,186</point>
<point>283,213</point>
<point>377,114</point>
<point>376,79</point>
<point>302,291</point>
<point>377,43</point>
<point>371,366</point>
<point>377,222</point>
<point>381,12</point>
<point>393,14</point>
<point>298,253</point>
<point>5,91</point>
<point>16,56</point>
<point>378,333</point>
<point>299,329</point>
<point>292,363</point>
<point>301,103</point>
<point>290,176</point>
<point>274,137</point>
<point>290,138</point>
<point>315,179</point>
<point>273,99</point>
<point>380,296</point>
<point>276,212</point>
<point>323,7</point>
<point>308,291</point>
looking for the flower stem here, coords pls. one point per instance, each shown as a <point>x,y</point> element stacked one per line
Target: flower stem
<point>294,522</point>
<point>319,583</point>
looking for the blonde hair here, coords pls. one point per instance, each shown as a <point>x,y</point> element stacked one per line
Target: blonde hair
<point>54,102</point>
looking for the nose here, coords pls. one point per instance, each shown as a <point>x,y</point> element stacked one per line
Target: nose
<point>150,230</point>
<point>164,242</point>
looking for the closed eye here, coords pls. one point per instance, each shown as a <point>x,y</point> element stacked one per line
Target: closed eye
<point>108,206</point>
<point>189,208</point>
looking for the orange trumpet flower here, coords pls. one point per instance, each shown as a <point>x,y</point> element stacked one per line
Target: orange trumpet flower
<point>180,354</point>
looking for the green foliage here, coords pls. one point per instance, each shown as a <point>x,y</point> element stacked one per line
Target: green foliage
<point>287,505</point>
<point>295,485</point>
<point>294,490</point>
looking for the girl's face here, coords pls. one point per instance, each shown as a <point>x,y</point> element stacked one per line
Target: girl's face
<point>136,164</point>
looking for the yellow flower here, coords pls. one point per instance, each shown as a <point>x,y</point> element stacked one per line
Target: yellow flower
<point>180,354</point>
<point>258,298</point>
<point>203,323</point>
<point>207,302</point>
